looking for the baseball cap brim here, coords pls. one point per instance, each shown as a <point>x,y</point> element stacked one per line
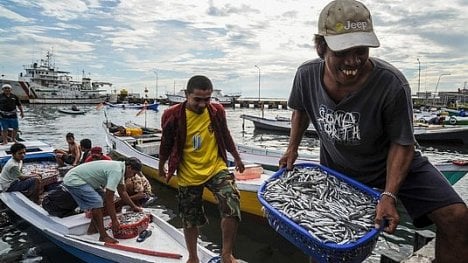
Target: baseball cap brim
<point>351,40</point>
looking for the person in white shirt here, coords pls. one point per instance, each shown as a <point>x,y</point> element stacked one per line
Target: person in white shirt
<point>13,180</point>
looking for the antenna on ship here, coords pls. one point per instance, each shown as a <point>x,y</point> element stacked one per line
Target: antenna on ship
<point>49,58</point>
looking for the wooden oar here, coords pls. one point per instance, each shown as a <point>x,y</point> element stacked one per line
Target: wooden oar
<point>143,251</point>
<point>128,248</point>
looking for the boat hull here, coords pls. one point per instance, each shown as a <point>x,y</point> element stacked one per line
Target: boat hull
<point>167,244</point>
<point>72,112</point>
<point>456,120</point>
<point>275,125</point>
<point>88,248</point>
<point>441,133</point>
<point>151,106</point>
<point>66,100</point>
<point>72,249</point>
<point>34,150</point>
<point>20,89</point>
<point>248,199</point>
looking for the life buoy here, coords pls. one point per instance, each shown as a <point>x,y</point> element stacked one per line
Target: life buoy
<point>453,120</point>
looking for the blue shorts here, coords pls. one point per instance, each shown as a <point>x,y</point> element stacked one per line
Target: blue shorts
<point>26,186</point>
<point>86,196</point>
<point>9,123</point>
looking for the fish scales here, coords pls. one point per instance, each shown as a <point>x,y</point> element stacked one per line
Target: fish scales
<point>328,208</point>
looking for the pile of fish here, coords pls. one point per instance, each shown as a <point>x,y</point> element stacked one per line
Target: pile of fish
<point>330,209</point>
<point>44,169</point>
<point>132,218</point>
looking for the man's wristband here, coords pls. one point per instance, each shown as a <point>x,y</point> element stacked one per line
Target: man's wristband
<point>389,194</point>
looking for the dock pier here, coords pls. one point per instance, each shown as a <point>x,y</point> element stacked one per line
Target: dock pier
<point>265,103</point>
<point>252,103</point>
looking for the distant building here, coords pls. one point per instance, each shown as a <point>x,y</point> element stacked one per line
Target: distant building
<point>452,99</point>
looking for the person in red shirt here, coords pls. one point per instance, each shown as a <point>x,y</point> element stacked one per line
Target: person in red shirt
<point>96,154</point>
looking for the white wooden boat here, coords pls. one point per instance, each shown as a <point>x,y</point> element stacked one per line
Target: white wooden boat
<point>146,148</point>
<point>456,120</point>
<point>453,112</point>
<point>34,149</point>
<point>281,125</point>
<point>72,111</point>
<point>267,158</point>
<point>166,244</point>
<point>448,118</point>
<point>150,106</point>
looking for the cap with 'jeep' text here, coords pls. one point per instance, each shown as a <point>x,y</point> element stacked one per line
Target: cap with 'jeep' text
<point>346,24</point>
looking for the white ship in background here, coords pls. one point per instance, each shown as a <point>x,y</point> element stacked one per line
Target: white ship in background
<point>43,83</point>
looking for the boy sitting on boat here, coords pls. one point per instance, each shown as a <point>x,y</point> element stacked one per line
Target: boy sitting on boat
<point>85,146</point>
<point>13,180</point>
<point>72,155</point>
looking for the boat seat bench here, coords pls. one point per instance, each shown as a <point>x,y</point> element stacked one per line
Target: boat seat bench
<point>131,139</point>
<point>74,224</point>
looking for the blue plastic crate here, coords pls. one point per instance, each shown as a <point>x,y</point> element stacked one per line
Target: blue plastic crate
<point>321,251</point>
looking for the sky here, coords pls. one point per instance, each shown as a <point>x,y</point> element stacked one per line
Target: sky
<point>158,45</point>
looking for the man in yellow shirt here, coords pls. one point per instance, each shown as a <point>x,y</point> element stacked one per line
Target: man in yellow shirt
<point>195,138</point>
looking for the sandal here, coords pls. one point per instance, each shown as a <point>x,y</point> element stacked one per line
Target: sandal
<point>144,235</point>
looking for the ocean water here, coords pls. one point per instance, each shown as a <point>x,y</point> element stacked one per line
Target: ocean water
<point>256,240</point>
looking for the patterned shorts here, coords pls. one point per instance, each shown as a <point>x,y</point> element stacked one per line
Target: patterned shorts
<point>223,187</point>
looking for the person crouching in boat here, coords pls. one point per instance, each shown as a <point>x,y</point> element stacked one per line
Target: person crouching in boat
<point>139,189</point>
<point>85,183</point>
<point>13,180</point>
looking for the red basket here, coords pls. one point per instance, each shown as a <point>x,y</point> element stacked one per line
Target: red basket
<point>138,223</point>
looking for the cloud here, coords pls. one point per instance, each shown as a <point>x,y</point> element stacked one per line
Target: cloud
<point>125,41</point>
<point>12,16</point>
